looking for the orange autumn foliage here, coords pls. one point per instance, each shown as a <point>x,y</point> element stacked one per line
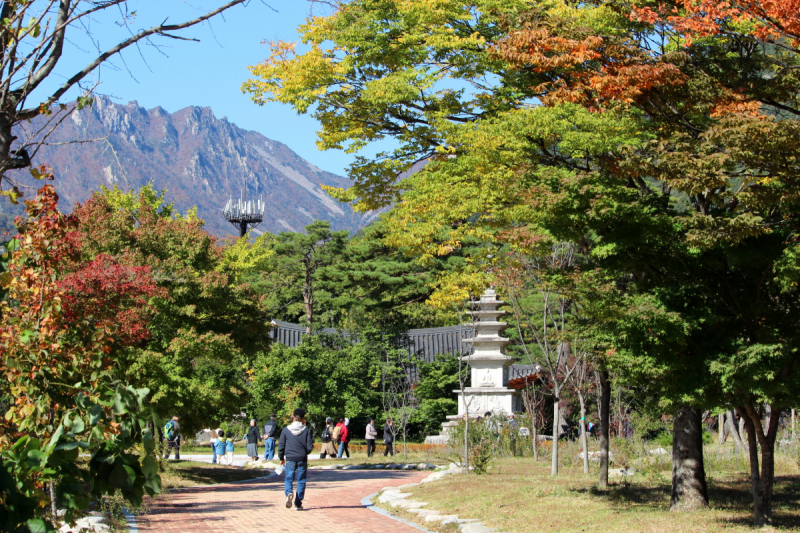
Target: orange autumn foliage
<point>598,71</point>
<point>770,20</point>
<point>589,69</point>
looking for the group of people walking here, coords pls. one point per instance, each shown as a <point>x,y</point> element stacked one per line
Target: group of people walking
<point>336,438</point>
<point>388,437</point>
<point>294,444</point>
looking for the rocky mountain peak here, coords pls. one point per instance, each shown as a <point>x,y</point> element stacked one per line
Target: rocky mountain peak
<point>198,158</point>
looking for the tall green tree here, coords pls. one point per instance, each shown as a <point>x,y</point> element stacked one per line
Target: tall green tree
<point>327,375</point>
<point>290,278</point>
<point>385,286</point>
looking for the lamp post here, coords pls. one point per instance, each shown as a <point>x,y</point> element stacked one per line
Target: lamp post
<point>243,213</point>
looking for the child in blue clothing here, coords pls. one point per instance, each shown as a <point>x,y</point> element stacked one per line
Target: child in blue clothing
<point>219,447</point>
<point>229,442</point>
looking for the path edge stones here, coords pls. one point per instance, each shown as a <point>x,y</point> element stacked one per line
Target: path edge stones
<point>390,494</point>
<point>366,501</point>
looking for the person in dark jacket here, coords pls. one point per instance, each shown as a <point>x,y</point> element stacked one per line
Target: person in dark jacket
<point>388,437</point>
<point>252,440</point>
<point>270,434</point>
<point>294,446</point>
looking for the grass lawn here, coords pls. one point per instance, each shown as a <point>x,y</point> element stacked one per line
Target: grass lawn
<point>192,473</point>
<point>519,495</point>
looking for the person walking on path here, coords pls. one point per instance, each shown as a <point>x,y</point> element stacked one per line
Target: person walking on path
<point>328,447</point>
<point>270,432</point>
<point>252,440</point>
<point>344,434</point>
<point>388,437</point>
<point>337,431</point>
<point>172,432</point>
<point>294,446</point>
<point>371,433</point>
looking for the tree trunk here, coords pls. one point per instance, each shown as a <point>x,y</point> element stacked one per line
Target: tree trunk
<point>309,310</point>
<point>554,455</point>
<point>689,490</point>
<point>733,431</point>
<point>721,429</point>
<point>535,442</point>
<point>466,434</point>
<point>793,434</point>
<point>605,419</point>
<point>767,414</point>
<point>742,426</point>
<point>762,482</point>
<point>53,502</point>
<point>584,439</point>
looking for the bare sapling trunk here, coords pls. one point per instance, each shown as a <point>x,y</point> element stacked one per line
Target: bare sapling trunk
<point>721,427</point>
<point>463,374</point>
<point>466,444</point>
<point>762,482</point>
<point>793,433</point>
<point>546,324</point>
<point>605,419</point>
<point>554,455</point>
<point>532,402</point>
<point>584,438</point>
<point>689,489</point>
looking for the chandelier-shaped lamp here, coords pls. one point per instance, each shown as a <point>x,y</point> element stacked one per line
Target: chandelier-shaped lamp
<point>244,213</point>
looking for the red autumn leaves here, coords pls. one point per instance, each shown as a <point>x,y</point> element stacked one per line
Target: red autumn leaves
<point>105,292</point>
<point>109,293</point>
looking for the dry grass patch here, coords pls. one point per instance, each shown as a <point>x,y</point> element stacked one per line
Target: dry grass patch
<point>518,495</point>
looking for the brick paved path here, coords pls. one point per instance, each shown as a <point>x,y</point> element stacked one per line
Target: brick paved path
<point>333,498</point>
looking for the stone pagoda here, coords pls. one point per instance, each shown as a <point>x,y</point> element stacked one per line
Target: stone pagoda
<point>489,367</point>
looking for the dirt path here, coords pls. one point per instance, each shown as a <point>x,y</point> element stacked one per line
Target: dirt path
<point>333,498</point>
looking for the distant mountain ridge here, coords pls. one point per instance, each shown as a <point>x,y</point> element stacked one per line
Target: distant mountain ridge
<point>199,159</point>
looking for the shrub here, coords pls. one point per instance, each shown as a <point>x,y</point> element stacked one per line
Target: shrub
<point>663,439</point>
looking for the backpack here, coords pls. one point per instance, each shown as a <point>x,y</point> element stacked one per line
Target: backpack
<point>326,434</point>
<point>169,430</point>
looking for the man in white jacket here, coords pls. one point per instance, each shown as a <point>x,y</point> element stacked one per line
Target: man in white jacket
<point>372,432</point>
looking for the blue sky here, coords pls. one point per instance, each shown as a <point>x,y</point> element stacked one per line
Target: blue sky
<point>206,73</point>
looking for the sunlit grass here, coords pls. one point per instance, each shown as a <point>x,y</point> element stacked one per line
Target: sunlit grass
<point>519,495</point>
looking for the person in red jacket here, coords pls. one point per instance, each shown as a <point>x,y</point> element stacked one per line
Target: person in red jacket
<point>344,437</point>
